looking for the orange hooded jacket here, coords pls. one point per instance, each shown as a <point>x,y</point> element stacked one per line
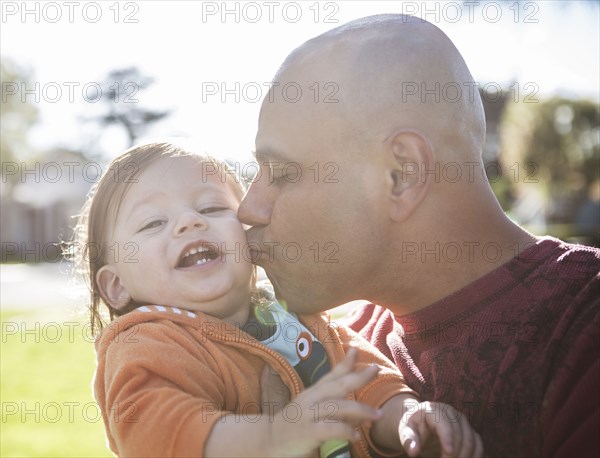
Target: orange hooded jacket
<point>166,376</point>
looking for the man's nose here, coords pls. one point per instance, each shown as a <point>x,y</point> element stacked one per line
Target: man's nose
<point>256,206</point>
<point>189,220</point>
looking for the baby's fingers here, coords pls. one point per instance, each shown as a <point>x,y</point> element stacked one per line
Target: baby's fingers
<point>456,436</point>
<point>338,419</point>
<point>478,453</point>
<point>426,427</point>
<point>471,445</point>
<point>350,382</point>
<point>409,439</point>
<point>337,431</point>
<point>345,366</point>
<point>343,410</point>
<point>341,381</point>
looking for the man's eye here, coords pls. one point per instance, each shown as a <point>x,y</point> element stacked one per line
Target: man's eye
<point>284,173</point>
<point>208,210</point>
<point>152,225</point>
<point>277,176</point>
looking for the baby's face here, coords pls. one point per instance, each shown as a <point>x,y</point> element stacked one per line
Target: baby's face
<point>177,241</point>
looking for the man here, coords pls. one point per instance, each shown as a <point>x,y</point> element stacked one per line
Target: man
<point>371,187</point>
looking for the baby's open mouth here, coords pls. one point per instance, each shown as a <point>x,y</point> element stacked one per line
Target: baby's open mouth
<point>199,255</point>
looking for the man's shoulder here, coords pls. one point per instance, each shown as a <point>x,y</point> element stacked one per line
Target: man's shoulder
<point>553,268</point>
<point>566,258</point>
<point>579,265</point>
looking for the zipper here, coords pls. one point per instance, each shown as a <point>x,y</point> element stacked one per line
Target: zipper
<point>338,348</point>
<point>244,342</point>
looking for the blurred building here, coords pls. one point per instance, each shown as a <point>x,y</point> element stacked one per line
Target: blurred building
<point>40,203</point>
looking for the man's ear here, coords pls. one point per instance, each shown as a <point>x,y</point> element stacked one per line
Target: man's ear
<point>410,157</point>
<point>111,288</point>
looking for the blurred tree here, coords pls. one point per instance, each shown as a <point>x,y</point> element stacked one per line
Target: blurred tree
<point>17,116</point>
<point>120,92</point>
<point>554,145</point>
<point>495,102</point>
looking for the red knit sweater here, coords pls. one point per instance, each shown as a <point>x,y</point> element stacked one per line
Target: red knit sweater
<point>517,351</point>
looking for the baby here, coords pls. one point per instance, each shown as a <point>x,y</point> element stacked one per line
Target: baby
<point>180,364</point>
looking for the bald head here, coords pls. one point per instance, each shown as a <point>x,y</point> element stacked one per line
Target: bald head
<point>391,72</point>
<point>369,114</point>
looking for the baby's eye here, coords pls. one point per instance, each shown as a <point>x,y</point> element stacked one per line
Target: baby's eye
<point>152,225</point>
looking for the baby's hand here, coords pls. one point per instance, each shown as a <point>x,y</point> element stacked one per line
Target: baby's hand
<point>427,426</point>
<point>321,412</point>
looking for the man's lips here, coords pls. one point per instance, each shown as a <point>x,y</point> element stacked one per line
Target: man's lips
<point>256,255</point>
<point>254,237</point>
<point>256,248</point>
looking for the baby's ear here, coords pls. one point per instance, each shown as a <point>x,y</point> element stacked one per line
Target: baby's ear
<point>111,288</point>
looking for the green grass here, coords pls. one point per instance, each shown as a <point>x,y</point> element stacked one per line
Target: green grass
<point>45,389</point>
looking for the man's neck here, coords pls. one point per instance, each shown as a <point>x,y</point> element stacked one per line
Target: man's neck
<point>436,268</point>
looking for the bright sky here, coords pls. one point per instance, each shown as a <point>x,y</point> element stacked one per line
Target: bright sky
<point>191,47</point>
